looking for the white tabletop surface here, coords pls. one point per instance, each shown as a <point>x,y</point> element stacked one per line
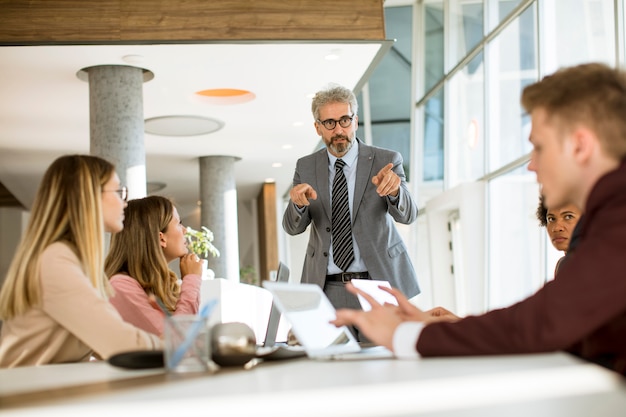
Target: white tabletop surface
<point>525,385</point>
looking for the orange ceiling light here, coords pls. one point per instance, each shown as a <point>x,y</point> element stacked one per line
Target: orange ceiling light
<point>226,96</point>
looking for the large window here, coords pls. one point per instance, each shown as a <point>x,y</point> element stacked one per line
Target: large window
<point>466,141</point>
<point>466,29</point>
<point>578,31</point>
<point>389,88</point>
<point>474,59</point>
<point>514,66</point>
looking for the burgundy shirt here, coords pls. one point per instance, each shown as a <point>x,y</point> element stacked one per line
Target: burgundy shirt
<point>582,311</point>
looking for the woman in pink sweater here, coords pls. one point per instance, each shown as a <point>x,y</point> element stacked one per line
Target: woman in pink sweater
<point>137,264</point>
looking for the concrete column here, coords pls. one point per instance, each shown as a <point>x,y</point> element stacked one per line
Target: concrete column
<point>218,195</point>
<point>117,121</point>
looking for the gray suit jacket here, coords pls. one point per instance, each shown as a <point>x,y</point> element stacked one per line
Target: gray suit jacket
<point>380,244</point>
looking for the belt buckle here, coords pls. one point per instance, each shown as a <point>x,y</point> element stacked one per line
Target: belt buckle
<point>344,275</point>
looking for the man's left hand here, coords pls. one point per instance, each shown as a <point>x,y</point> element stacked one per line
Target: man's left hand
<point>387,181</point>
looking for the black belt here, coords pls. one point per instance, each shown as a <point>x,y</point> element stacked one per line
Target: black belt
<point>347,276</point>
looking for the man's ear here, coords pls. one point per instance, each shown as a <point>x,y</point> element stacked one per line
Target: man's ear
<point>162,240</point>
<point>318,128</point>
<point>585,143</point>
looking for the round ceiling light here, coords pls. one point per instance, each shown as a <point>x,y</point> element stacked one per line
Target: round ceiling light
<point>225,96</point>
<point>182,125</point>
<point>83,74</point>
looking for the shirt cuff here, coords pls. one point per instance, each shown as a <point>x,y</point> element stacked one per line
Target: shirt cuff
<point>300,210</point>
<point>405,339</point>
<point>394,200</point>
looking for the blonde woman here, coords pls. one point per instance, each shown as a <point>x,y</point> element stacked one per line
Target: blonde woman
<point>54,301</point>
<point>137,265</point>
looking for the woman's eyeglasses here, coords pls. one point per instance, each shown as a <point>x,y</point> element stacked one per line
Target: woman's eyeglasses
<point>122,192</point>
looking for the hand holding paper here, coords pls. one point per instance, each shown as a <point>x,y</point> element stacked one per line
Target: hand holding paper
<point>371,287</point>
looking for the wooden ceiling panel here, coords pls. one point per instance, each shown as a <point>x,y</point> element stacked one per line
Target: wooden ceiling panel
<point>112,21</point>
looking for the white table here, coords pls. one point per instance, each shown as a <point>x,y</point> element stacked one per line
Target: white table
<point>526,385</point>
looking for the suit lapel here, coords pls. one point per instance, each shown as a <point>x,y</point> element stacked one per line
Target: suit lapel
<point>323,190</point>
<point>363,175</point>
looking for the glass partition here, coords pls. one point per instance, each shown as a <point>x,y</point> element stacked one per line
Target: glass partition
<point>466,28</point>
<point>433,138</point>
<point>515,66</point>
<point>433,43</point>
<point>587,25</point>
<point>514,238</point>
<point>466,143</point>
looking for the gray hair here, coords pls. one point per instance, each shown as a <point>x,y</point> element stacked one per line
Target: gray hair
<point>333,93</point>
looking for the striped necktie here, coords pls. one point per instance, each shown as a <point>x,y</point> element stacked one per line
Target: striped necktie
<point>343,253</point>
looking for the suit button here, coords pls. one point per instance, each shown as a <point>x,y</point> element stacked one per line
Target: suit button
<point>328,229</point>
<point>326,254</point>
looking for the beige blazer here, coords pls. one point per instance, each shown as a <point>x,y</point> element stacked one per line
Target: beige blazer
<point>73,323</point>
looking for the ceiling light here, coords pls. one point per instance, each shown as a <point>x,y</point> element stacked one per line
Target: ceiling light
<point>225,96</point>
<point>334,55</point>
<point>287,146</point>
<point>182,125</point>
<point>472,133</point>
<point>277,165</point>
<point>133,59</point>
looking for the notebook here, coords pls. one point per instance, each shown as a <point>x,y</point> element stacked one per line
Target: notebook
<point>309,311</point>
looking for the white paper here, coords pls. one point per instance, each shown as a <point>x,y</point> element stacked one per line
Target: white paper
<point>370,286</point>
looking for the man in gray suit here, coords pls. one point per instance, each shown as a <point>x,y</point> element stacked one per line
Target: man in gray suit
<point>377,195</point>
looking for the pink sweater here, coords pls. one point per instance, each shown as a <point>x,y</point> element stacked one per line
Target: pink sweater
<point>132,302</point>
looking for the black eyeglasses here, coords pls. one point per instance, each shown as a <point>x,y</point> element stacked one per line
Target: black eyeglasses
<point>122,192</point>
<point>330,124</point>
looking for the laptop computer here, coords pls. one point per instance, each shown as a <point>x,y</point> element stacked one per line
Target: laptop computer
<point>309,311</point>
<point>270,350</point>
<point>282,275</point>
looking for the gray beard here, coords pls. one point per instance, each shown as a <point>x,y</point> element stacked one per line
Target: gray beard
<point>341,149</point>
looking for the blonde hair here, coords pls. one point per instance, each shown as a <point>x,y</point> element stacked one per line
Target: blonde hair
<point>590,94</point>
<point>68,209</point>
<point>137,252</point>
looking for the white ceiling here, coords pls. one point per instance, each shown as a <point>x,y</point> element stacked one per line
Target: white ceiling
<point>44,107</point>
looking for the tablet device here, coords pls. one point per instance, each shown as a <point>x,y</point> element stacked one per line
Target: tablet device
<point>371,287</point>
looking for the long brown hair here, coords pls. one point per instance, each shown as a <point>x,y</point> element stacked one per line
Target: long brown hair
<point>136,250</point>
<point>67,208</point>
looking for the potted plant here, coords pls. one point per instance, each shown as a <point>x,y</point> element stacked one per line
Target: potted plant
<point>200,243</point>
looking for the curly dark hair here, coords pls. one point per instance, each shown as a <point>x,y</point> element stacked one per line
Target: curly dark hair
<point>542,213</point>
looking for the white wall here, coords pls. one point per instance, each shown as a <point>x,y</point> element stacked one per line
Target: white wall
<point>12,224</point>
<point>463,291</point>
